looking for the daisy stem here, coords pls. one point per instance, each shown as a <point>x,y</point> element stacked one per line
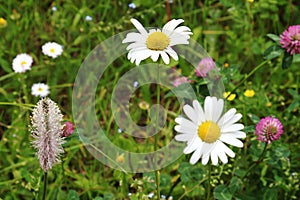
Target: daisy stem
<point>255,163</point>
<point>45,186</point>
<point>208,185</point>
<point>157,174</point>
<point>24,87</point>
<point>246,77</point>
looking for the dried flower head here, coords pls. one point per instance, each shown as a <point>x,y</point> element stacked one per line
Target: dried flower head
<point>290,39</point>
<point>268,129</point>
<point>47,130</point>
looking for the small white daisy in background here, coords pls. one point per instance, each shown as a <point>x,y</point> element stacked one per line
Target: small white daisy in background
<point>52,49</point>
<point>88,18</point>
<point>40,89</point>
<point>156,42</point>
<point>132,5</point>
<point>135,84</point>
<point>206,131</point>
<point>54,9</point>
<point>22,62</point>
<point>120,130</point>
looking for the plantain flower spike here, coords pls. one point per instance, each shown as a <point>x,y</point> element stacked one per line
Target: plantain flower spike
<point>47,129</point>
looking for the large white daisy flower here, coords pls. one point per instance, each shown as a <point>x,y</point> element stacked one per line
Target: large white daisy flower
<point>156,42</point>
<point>206,131</point>
<point>22,62</point>
<point>52,49</point>
<point>40,89</point>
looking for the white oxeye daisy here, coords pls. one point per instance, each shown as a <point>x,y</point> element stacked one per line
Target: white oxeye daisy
<point>22,62</point>
<point>52,49</point>
<point>156,42</point>
<point>40,89</point>
<point>206,131</point>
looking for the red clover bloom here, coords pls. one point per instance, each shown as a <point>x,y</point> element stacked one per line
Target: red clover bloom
<point>268,129</point>
<point>290,39</point>
<point>68,129</point>
<point>204,67</point>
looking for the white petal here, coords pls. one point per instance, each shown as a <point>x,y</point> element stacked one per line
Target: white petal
<point>171,25</point>
<point>226,149</point>
<point>178,39</point>
<point>190,113</point>
<point>208,147</point>
<point>135,45</point>
<point>139,55</point>
<point>165,57</point>
<point>196,156</point>
<point>172,53</point>
<point>155,56</point>
<point>183,137</point>
<point>184,129</point>
<point>221,154</point>
<point>185,122</point>
<point>233,120</point>
<point>233,127</point>
<point>226,117</point>
<point>208,108</point>
<point>194,144</point>
<point>236,134</point>
<point>231,140</point>
<point>138,26</point>
<point>218,109</point>
<point>133,37</point>
<point>205,159</point>
<point>183,30</point>
<point>199,112</point>
<point>214,157</point>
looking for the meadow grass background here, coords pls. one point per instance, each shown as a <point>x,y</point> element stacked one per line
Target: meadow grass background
<point>234,35</point>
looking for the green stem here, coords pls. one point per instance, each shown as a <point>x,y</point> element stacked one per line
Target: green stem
<point>247,76</point>
<point>45,186</point>
<point>208,186</point>
<point>24,105</point>
<point>255,163</point>
<point>24,88</point>
<point>7,76</point>
<point>157,173</point>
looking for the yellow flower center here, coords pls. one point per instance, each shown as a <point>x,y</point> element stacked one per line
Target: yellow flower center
<point>157,41</point>
<point>52,50</point>
<point>23,62</point>
<point>209,132</point>
<point>40,89</point>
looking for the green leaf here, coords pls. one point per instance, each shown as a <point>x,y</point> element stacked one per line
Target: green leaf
<point>190,174</point>
<point>287,60</point>
<point>235,185</point>
<point>249,129</point>
<point>274,37</point>
<point>270,194</point>
<point>254,118</point>
<point>273,52</point>
<point>73,195</point>
<point>296,58</point>
<point>221,192</point>
<point>5,66</point>
<point>294,105</point>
